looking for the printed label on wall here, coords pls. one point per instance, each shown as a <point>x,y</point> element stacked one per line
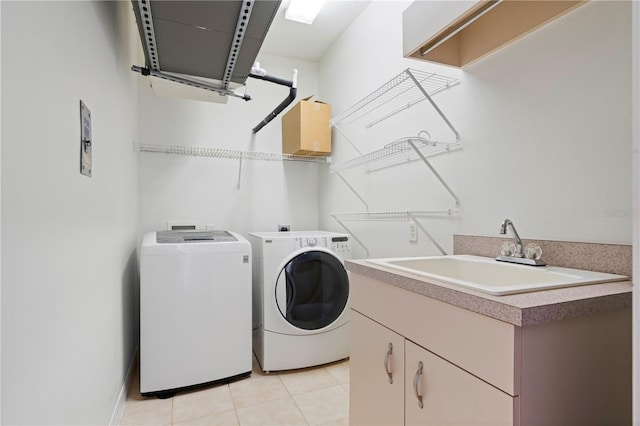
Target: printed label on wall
<point>85,140</point>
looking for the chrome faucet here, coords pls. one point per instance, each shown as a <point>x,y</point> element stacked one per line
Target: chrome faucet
<point>518,256</point>
<point>503,230</point>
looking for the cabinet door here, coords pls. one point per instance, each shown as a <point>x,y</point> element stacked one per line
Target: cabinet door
<point>374,399</point>
<point>450,395</point>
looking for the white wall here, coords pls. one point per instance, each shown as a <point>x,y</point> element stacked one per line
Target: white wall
<point>69,270</point>
<point>545,125</point>
<point>635,96</point>
<point>213,190</point>
<point>0,224</point>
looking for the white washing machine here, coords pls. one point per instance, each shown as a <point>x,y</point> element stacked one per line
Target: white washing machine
<point>195,309</point>
<point>300,298</point>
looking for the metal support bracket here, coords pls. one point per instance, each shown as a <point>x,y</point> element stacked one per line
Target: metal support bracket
<point>339,130</point>
<point>366,205</point>
<point>189,82</point>
<point>429,236</point>
<point>435,172</point>
<point>144,6</point>
<point>238,36</point>
<point>433,104</point>
<point>239,172</point>
<point>346,228</point>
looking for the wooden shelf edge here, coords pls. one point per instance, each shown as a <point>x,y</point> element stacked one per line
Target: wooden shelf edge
<point>505,23</point>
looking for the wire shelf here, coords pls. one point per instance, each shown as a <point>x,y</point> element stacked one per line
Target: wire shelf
<point>405,90</point>
<point>401,147</point>
<point>389,216</point>
<point>228,153</point>
<point>396,95</point>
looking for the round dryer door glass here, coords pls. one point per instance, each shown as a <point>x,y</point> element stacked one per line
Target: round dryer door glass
<point>312,290</point>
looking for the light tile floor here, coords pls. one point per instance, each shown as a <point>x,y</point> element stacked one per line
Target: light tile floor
<point>310,396</point>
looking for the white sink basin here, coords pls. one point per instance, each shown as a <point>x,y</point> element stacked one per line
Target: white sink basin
<point>492,277</point>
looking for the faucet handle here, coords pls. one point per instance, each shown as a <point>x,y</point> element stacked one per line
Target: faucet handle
<point>507,248</point>
<point>533,251</point>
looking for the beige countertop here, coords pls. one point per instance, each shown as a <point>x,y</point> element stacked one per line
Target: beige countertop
<point>525,309</point>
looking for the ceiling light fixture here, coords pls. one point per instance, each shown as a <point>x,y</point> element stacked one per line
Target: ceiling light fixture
<point>304,11</point>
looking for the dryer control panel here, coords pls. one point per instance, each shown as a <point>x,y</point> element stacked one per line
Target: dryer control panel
<point>341,245</point>
<point>311,241</point>
<point>338,244</point>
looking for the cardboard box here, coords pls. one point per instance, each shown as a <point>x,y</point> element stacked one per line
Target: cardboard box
<point>306,128</point>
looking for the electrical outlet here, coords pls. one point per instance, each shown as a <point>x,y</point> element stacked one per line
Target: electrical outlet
<point>413,232</point>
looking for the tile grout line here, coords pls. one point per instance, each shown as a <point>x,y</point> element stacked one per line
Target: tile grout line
<point>233,401</point>
<point>235,411</point>
<point>172,402</point>
<point>300,410</point>
<point>293,400</point>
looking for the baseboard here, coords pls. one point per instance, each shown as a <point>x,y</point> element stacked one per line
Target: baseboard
<point>122,397</point>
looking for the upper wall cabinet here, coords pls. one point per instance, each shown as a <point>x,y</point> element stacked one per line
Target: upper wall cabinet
<point>460,32</point>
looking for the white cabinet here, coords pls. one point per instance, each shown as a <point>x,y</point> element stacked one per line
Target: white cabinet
<point>376,374</point>
<point>477,370</point>
<point>424,389</point>
<point>450,395</point>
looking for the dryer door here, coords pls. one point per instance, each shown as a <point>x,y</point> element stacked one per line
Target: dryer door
<point>312,290</point>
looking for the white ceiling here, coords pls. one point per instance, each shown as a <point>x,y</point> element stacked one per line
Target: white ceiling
<point>310,42</point>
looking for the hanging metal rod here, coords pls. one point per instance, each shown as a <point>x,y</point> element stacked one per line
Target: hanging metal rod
<point>189,82</point>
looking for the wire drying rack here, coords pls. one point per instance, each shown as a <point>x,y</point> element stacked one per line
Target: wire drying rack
<point>229,154</point>
<point>398,148</point>
<point>403,91</point>
<point>392,216</point>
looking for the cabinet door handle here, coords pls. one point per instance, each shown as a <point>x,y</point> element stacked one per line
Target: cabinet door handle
<point>416,379</point>
<point>387,358</point>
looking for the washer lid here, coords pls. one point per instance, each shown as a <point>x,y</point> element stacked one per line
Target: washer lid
<point>182,237</point>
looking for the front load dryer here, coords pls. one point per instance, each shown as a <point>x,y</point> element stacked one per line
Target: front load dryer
<point>300,298</point>
<point>195,309</point>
